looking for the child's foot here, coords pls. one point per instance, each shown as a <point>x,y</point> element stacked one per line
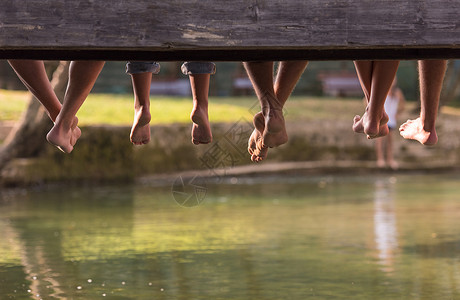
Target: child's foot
<point>201,130</point>
<point>373,128</point>
<point>140,132</point>
<point>64,137</point>
<point>381,163</point>
<point>258,153</point>
<point>413,129</point>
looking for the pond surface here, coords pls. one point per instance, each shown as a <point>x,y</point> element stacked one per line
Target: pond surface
<point>346,237</point>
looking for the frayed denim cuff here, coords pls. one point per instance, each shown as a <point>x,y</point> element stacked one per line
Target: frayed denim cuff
<point>197,67</point>
<point>136,67</point>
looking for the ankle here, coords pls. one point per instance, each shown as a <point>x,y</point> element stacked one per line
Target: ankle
<point>64,123</point>
<point>428,126</point>
<point>265,109</point>
<point>199,110</point>
<point>142,107</point>
<point>269,99</point>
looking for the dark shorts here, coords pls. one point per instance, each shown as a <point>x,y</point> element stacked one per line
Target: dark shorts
<point>188,68</point>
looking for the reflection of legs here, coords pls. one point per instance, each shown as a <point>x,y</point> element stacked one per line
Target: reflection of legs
<point>379,153</point>
<point>82,76</point>
<point>270,128</point>
<point>389,151</point>
<point>32,73</point>
<point>384,147</point>
<point>201,130</point>
<point>422,129</point>
<point>378,75</point>
<point>140,131</point>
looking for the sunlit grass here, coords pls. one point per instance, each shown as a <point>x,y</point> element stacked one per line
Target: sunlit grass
<point>12,104</point>
<point>117,109</point>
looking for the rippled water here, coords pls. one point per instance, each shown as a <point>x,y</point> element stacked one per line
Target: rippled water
<point>343,237</point>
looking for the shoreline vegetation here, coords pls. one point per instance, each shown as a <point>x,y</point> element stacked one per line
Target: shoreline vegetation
<point>320,141</point>
<point>117,109</point>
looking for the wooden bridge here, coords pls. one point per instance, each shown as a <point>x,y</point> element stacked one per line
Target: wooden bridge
<point>237,30</point>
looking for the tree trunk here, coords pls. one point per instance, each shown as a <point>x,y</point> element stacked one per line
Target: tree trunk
<point>28,136</point>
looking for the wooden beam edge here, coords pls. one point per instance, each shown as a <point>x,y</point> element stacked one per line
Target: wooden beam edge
<point>396,53</point>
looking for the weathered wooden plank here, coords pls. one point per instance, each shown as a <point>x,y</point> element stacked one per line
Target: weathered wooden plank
<point>229,30</point>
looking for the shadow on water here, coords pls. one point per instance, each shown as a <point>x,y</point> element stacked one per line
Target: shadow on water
<point>323,237</point>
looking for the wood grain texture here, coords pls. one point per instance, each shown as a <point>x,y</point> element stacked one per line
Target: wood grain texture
<point>215,28</point>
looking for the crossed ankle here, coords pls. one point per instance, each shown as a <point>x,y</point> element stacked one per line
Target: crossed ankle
<point>64,125</point>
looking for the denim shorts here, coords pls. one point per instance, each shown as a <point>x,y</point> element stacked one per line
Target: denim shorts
<point>136,67</point>
<point>187,68</point>
<point>198,67</point>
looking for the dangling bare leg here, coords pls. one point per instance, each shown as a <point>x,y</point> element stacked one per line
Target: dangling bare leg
<point>378,75</point>
<point>423,129</point>
<point>33,75</point>
<point>140,131</point>
<point>201,130</point>
<point>261,76</point>
<point>287,77</point>
<point>82,76</point>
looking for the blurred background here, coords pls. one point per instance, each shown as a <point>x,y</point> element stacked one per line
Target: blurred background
<point>319,117</point>
<point>316,81</point>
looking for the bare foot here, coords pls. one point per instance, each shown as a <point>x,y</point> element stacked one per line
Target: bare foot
<point>62,136</point>
<point>76,132</point>
<point>269,132</point>
<point>201,130</point>
<point>274,133</point>
<point>413,129</point>
<point>140,132</point>
<point>380,163</point>
<point>258,153</point>
<point>373,128</point>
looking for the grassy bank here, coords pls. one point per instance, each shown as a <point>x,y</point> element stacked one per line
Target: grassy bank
<point>319,131</point>
<point>117,109</point>
<point>12,104</point>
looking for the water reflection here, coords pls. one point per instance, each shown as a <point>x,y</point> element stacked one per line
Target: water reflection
<point>38,230</point>
<point>386,235</point>
<point>287,239</point>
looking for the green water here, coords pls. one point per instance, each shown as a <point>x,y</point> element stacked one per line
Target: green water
<point>275,238</point>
